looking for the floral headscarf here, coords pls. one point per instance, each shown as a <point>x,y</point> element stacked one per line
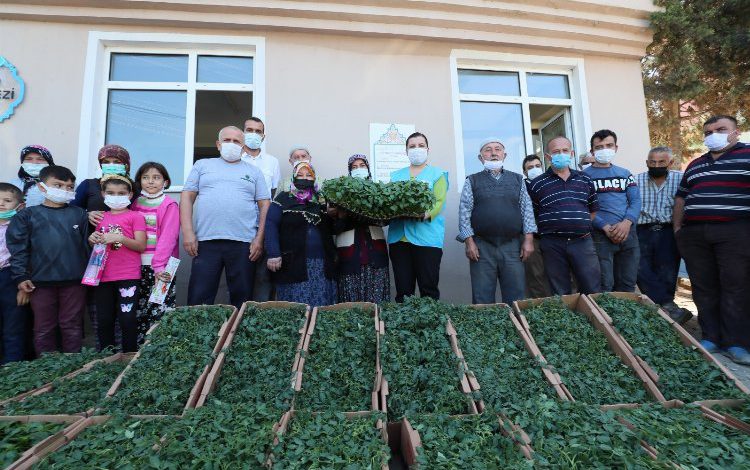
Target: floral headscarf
<point>117,152</point>
<point>354,158</point>
<point>303,195</point>
<point>28,180</point>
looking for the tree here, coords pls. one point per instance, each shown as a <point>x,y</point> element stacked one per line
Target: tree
<point>697,65</point>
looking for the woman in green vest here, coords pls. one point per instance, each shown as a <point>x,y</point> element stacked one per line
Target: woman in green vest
<point>416,245</point>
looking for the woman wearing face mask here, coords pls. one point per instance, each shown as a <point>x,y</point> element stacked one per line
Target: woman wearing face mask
<point>162,234</point>
<point>299,242</point>
<point>416,245</point>
<point>113,160</point>
<point>362,250</point>
<point>33,159</point>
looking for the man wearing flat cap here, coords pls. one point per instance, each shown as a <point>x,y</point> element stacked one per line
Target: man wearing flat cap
<point>496,223</point>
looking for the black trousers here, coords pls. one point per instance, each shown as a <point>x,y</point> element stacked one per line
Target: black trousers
<point>414,265</point>
<point>215,256</point>
<point>117,300</point>
<point>717,256</point>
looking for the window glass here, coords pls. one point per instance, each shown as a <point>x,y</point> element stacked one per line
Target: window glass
<point>502,120</point>
<point>542,85</point>
<point>148,68</point>
<point>485,82</point>
<point>217,69</point>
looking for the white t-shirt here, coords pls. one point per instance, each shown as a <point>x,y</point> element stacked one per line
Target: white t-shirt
<point>268,165</point>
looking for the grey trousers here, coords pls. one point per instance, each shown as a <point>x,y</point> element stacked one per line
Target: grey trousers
<point>497,262</point>
<point>618,262</point>
<point>263,291</point>
<point>537,285</point>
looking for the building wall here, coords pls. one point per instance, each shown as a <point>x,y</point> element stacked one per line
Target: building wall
<point>322,90</point>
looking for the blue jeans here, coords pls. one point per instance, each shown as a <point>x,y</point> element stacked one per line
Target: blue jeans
<point>12,319</point>
<point>498,261</point>
<point>215,256</point>
<point>563,255</point>
<point>660,261</point>
<point>618,262</point>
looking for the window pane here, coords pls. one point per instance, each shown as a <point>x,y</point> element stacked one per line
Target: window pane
<point>213,69</point>
<point>543,85</point>
<point>502,120</point>
<point>151,126</point>
<point>485,82</point>
<point>149,68</point>
<point>214,110</point>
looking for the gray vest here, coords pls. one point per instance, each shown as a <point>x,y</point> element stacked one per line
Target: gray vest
<point>497,209</point>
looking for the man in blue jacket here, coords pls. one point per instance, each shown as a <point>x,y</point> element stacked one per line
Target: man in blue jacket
<point>615,236</point>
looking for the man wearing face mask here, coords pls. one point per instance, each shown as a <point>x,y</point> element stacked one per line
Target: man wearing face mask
<point>496,223</point>
<point>615,236</point>
<point>711,223</point>
<point>226,232</point>
<point>587,159</point>
<point>298,153</point>
<point>660,260</point>
<point>565,203</point>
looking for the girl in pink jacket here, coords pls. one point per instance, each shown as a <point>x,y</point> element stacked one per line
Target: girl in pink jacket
<point>162,235</point>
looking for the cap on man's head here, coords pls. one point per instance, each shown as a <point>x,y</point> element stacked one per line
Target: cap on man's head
<point>298,147</point>
<point>490,140</point>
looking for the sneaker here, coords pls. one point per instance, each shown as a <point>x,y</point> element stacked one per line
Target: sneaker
<point>738,355</point>
<point>709,346</point>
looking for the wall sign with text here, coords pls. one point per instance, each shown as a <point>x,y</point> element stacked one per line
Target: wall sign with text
<point>12,89</point>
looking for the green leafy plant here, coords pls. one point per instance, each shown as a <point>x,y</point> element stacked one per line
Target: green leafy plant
<point>379,201</point>
<point>581,355</point>
<point>496,355</point>
<point>16,438</point>
<point>23,376</point>
<point>258,364</point>
<point>684,373</point>
<point>574,435</point>
<point>422,371</point>
<point>683,436</point>
<point>339,368</point>
<point>178,350</point>
<point>331,440</point>
<point>467,442</point>
<point>70,396</point>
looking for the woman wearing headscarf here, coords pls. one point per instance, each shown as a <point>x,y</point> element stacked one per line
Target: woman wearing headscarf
<point>299,242</point>
<point>33,159</point>
<point>113,160</point>
<point>362,251</point>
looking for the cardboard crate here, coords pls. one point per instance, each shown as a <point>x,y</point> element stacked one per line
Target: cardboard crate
<point>310,331</point>
<point>194,395</point>
<point>686,338</point>
<point>42,447</point>
<point>212,376</point>
<point>582,305</point>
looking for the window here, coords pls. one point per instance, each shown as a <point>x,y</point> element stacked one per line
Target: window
<point>165,97</point>
<point>525,101</point>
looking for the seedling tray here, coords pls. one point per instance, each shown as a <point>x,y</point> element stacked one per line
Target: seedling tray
<point>45,446</point>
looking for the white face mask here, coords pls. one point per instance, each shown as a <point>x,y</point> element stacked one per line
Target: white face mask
<point>716,141</point>
<point>604,155</point>
<point>156,195</point>
<point>492,165</point>
<point>231,152</point>
<point>360,173</point>
<point>417,155</point>
<point>253,140</point>
<point>585,165</point>
<point>58,195</point>
<point>33,169</point>
<point>116,202</point>
<point>534,172</point>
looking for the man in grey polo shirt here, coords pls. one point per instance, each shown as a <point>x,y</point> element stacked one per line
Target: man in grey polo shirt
<point>223,210</point>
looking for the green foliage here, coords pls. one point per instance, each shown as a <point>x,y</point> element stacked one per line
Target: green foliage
<point>331,440</point>
<point>16,438</point>
<point>258,364</point>
<point>684,373</point>
<point>496,354</point>
<point>581,355</point>
<point>179,349</point>
<point>422,371</point>
<point>685,437</point>
<point>339,369</point>
<point>574,435</point>
<point>72,396</point>
<point>470,442</point>
<point>379,201</point>
<point>23,376</point>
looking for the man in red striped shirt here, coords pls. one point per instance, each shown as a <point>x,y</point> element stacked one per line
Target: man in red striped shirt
<point>712,222</point>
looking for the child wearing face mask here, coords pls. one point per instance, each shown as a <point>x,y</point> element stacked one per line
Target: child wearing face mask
<point>124,233</point>
<point>49,253</point>
<point>33,159</point>
<point>12,315</point>
<point>162,218</point>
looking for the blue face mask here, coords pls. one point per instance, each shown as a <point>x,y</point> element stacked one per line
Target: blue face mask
<point>113,169</point>
<point>560,161</point>
<point>253,140</point>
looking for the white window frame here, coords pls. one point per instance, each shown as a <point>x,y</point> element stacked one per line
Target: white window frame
<point>96,85</point>
<point>571,67</point>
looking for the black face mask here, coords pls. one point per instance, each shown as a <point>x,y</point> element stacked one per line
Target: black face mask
<point>657,172</point>
<point>300,183</point>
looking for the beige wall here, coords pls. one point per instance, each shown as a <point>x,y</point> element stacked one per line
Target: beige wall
<point>321,91</point>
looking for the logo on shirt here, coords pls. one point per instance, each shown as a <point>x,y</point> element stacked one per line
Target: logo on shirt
<point>247,178</point>
<point>613,184</point>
